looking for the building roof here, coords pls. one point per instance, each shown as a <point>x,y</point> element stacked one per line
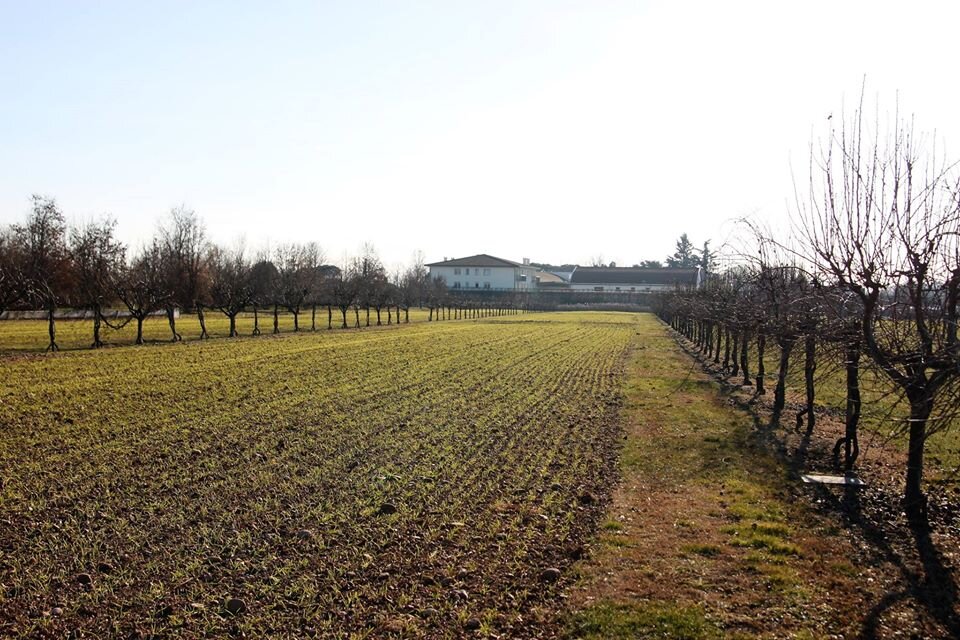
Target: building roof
<point>544,277</point>
<point>634,276</point>
<point>479,260</point>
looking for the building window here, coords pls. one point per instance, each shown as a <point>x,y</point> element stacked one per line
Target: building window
<point>617,289</point>
<point>456,271</point>
<point>598,288</point>
<point>522,277</point>
<point>456,285</point>
<point>476,285</point>
<point>467,271</point>
<point>633,288</point>
<point>486,272</point>
<point>486,285</point>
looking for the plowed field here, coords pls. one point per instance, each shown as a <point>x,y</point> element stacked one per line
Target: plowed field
<point>414,481</point>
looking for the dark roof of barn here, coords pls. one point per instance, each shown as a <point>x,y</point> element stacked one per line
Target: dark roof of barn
<point>479,260</point>
<point>629,275</point>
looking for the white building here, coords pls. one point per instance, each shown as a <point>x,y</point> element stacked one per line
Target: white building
<point>485,272</point>
<point>634,279</point>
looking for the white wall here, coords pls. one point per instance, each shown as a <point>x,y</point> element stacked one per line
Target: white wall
<point>496,277</point>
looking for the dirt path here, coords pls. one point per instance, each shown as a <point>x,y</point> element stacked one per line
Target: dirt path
<point>709,536</point>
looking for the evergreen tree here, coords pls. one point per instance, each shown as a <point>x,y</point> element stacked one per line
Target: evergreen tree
<point>685,256</point>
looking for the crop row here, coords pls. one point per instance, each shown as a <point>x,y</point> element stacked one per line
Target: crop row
<point>414,482</point>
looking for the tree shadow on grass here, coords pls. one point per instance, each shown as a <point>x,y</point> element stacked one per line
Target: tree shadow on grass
<point>934,587</point>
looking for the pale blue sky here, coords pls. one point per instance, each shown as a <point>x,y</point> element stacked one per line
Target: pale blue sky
<point>551,130</point>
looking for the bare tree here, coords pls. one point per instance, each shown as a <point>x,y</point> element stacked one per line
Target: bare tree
<point>143,286</point>
<point>46,259</point>
<point>881,219</point>
<point>184,241</point>
<point>230,283</point>
<point>12,283</point>
<point>263,277</point>
<point>98,259</point>
<point>344,291</point>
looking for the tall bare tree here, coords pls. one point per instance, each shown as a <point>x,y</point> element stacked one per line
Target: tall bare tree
<point>185,249</point>
<point>881,218</point>
<point>46,259</point>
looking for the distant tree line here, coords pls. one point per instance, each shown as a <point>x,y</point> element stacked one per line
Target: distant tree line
<point>685,256</point>
<point>46,264</point>
<point>870,278</point>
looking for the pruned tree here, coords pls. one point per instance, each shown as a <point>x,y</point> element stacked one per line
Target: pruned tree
<point>296,272</point>
<point>45,265</point>
<point>263,286</point>
<point>97,259</point>
<point>230,283</point>
<point>185,251</point>
<point>143,286</point>
<point>881,219</point>
<point>345,289</point>
<point>437,296</point>
<point>371,280</point>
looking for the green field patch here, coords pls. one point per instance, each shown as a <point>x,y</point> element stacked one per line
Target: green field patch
<point>706,550</point>
<point>332,481</point>
<point>648,620</point>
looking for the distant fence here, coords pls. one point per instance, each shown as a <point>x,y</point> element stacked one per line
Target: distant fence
<point>560,299</point>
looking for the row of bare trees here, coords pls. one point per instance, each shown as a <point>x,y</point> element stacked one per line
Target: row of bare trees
<point>869,276</point>
<point>46,264</point>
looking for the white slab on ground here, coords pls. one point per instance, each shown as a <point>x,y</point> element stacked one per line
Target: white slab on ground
<point>845,480</point>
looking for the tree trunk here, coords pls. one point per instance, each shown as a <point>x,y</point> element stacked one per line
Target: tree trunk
<point>850,442</point>
<point>233,325</point>
<point>378,317</point>
<point>313,318</point>
<point>356,312</point>
<point>406,315</point>
<point>329,317</point>
<point>172,321</point>
<point>97,342</point>
<point>276,319</point>
<point>430,317</point>
<point>368,315</point>
<point>296,319</point>
<point>744,361</point>
<point>203,322</point>
<point>726,348</point>
<point>780,393</point>
<point>140,329</point>
<point>256,321</point>
<point>921,405</point>
<point>735,353</point>
<point>809,370</point>
<point>716,354</point>
<point>761,347</point>
<point>343,311</point>
<point>52,327</point>
<point>390,315</point>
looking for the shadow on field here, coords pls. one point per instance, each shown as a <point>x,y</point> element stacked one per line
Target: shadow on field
<point>924,577</point>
